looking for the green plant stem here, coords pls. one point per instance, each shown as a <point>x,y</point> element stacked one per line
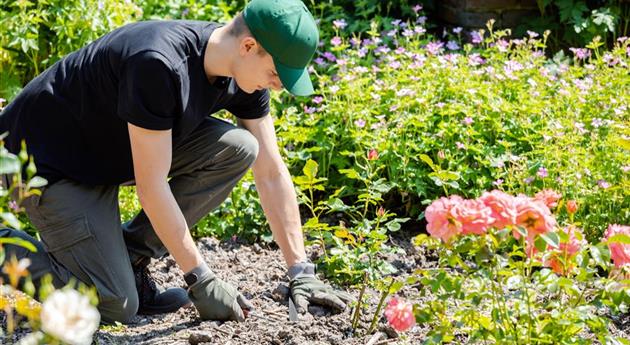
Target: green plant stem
<point>378,308</point>
<point>357,311</point>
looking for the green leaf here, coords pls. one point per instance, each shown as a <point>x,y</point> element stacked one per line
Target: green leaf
<point>393,226</point>
<point>428,160</point>
<point>18,242</point>
<point>9,163</point>
<point>310,169</point>
<point>600,254</point>
<point>447,175</point>
<point>10,220</point>
<point>36,182</point>
<point>619,238</point>
<point>551,238</point>
<point>350,173</point>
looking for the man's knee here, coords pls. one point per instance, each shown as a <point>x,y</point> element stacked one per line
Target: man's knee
<point>243,146</point>
<point>121,308</point>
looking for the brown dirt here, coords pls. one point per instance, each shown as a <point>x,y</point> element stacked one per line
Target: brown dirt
<point>260,274</point>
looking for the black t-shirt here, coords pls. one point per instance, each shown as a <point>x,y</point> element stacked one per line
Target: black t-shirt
<point>74,115</point>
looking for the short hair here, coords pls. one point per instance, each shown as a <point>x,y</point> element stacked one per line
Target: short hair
<point>238,27</point>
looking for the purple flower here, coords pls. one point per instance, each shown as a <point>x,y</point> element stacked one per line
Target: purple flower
<point>532,34</point>
<point>318,99</point>
<point>391,33</point>
<point>476,37</point>
<point>597,122</point>
<point>457,30</point>
<point>400,50</point>
<point>335,41</point>
<point>319,61</point>
<point>367,42</point>
<point>340,23</point>
<point>362,52</point>
<point>334,89</point>
<point>498,182</point>
<point>417,8</point>
<point>452,45</point>
<point>355,41</point>
<point>603,184</point>
<point>581,53</point>
<point>434,48</point>
<point>625,168</point>
<point>394,64</point>
<point>460,145</point>
<point>476,60</point>
<point>405,92</point>
<point>468,121</point>
<point>309,110</point>
<point>407,32</point>
<point>528,180</point>
<point>14,206</point>
<point>542,172</point>
<point>419,30</point>
<point>421,20</point>
<point>330,56</point>
<point>359,123</point>
<point>396,22</point>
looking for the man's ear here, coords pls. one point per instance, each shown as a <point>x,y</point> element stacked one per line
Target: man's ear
<point>248,45</point>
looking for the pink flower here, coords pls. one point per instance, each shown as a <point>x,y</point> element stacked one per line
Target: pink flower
<point>561,259</point>
<point>399,314</point>
<point>441,223</point>
<point>502,206</point>
<point>549,197</point>
<point>619,252</point>
<point>473,215</point>
<point>534,216</point>
<point>372,154</point>
<point>572,206</point>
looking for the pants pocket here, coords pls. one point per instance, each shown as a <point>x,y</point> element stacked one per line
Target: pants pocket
<point>73,246</point>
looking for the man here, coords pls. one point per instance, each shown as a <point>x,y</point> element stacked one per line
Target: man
<point>132,107</point>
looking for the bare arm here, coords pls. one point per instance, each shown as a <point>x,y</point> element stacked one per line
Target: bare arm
<point>151,151</point>
<point>276,191</point>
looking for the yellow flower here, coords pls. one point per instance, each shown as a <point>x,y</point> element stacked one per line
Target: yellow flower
<point>16,269</point>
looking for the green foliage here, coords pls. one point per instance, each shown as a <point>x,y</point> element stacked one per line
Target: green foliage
<point>217,11</point>
<point>35,34</point>
<point>574,23</point>
<point>487,289</point>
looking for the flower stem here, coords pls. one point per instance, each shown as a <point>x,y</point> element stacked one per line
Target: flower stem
<point>357,311</point>
<point>378,308</point>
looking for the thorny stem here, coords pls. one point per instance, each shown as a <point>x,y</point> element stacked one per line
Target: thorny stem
<point>357,311</point>
<point>380,305</point>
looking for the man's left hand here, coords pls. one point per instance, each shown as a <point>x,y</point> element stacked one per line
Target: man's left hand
<point>306,288</point>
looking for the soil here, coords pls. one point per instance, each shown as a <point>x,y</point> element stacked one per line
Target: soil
<point>260,274</point>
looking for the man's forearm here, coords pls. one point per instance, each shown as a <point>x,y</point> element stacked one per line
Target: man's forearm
<point>279,201</point>
<point>170,225</point>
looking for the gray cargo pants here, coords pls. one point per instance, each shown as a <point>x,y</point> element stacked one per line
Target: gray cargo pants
<point>80,227</point>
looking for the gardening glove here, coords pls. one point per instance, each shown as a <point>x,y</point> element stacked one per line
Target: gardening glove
<point>306,288</point>
<point>214,298</point>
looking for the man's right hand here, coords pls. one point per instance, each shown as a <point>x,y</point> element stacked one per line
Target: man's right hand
<point>214,298</point>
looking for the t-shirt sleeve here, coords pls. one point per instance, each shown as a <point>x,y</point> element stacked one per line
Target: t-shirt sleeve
<point>148,92</point>
<point>250,106</point>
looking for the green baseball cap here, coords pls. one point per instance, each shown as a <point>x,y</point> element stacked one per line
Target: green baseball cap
<point>287,31</point>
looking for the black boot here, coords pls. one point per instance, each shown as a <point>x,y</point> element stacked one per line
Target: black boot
<point>153,298</point>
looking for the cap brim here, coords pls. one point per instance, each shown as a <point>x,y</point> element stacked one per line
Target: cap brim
<point>296,80</point>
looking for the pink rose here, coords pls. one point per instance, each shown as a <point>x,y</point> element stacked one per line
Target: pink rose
<point>619,252</point>
<point>474,216</point>
<point>441,223</point>
<point>549,197</point>
<point>399,314</point>
<point>502,206</point>
<point>534,216</point>
<point>561,260</point>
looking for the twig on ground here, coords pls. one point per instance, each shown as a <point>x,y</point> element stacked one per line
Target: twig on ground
<point>376,337</point>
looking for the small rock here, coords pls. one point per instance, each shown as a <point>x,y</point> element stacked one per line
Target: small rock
<point>199,337</point>
<point>391,332</point>
<point>256,248</point>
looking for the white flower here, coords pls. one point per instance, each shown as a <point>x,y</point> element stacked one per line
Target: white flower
<point>69,316</point>
<point>32,339</point>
